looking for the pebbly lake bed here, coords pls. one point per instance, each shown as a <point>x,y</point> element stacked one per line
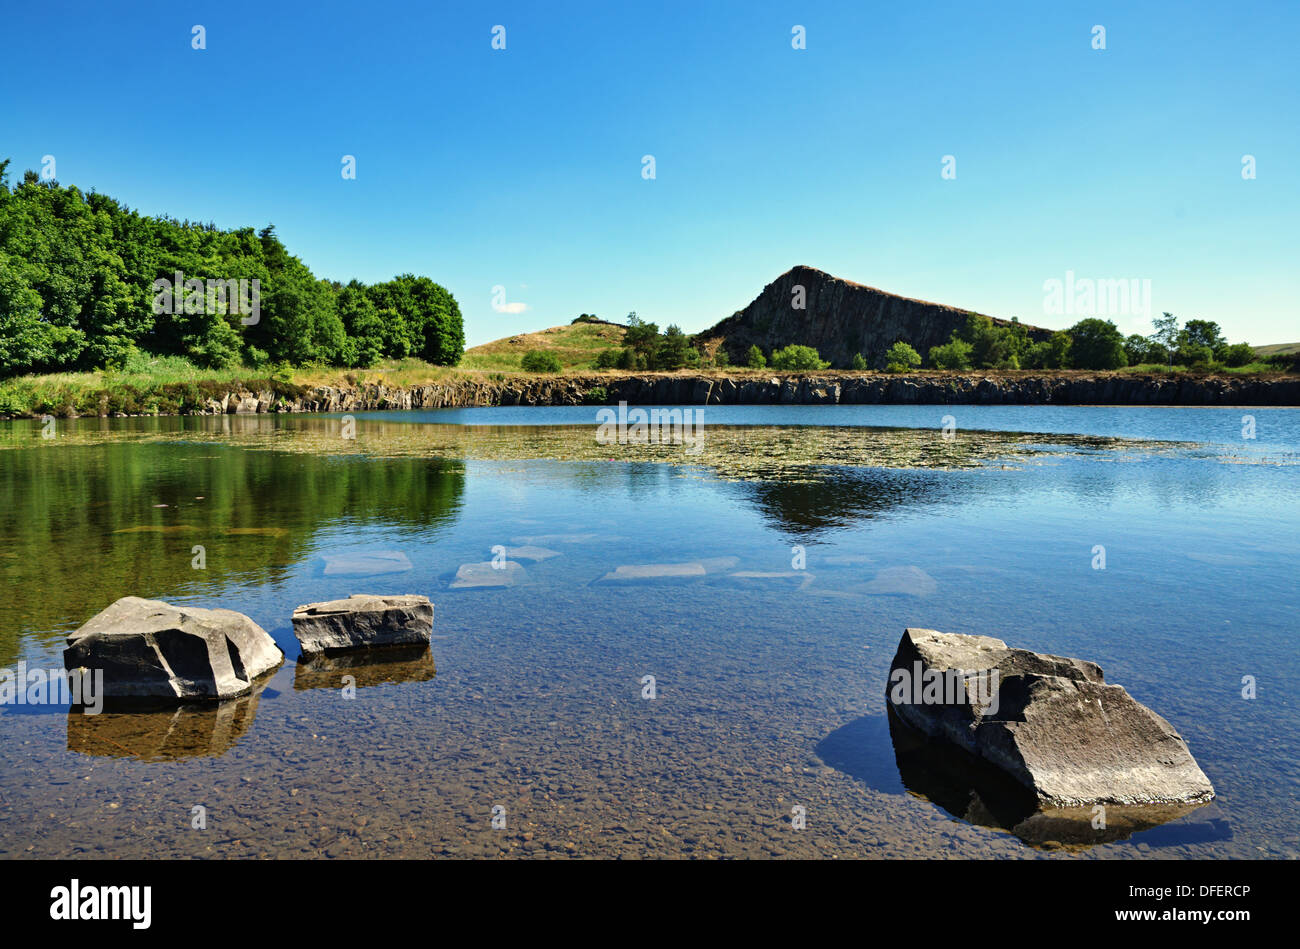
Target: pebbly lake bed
<point>819,534</point>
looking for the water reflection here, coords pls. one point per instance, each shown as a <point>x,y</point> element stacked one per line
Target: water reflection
<point>974,791</point>
<point>192,730</point>
<point>845,496</point>
<point>366,668</point>
<point>84,524</point>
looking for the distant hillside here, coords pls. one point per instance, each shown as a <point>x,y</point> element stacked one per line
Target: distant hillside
<point>576,346</point>
<point>1279,349</point>
<point>840,319</point>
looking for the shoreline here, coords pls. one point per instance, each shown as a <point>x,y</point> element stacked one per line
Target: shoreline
<point>756,387</point>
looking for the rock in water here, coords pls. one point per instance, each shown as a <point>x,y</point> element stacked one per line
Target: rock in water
<point>363,621</point>
<point>1050,722</point>
<point>153,650</point>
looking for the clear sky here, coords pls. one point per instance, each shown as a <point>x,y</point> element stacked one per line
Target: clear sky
<point>522,167</point>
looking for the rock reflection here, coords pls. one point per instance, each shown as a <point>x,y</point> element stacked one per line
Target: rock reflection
<point>974,791</point>
<point>367,668</point>
<point>151,733</point>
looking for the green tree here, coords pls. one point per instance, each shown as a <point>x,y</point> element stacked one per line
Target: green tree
<point>1166,334</point>
<point>675,350</point>
<point>901,357</point>
<point>1097,344</point>
<point>954,354</point>
<point>796,358</point>
<point>754,358</point>
<point>859,362</point>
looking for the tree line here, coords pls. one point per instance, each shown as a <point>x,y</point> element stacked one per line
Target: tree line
<point>78,293</point>
<point>1089,344</point>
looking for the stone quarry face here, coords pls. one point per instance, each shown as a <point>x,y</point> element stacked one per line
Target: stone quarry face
<point>363,621</point>
<point>1051,723</point>
<point>152,650</point>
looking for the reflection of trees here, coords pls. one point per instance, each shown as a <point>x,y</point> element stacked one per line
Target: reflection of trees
<point>842,496</point>
<point>80,525</point>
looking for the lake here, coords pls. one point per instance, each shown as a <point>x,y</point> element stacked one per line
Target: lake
<point>815,534</point>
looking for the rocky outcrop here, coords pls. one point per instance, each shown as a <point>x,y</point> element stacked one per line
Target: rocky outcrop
<point>147,649</point>
<point>838,318</point>
<point>1052,723</point>
<point>363,621</point>
<point>829,388</point>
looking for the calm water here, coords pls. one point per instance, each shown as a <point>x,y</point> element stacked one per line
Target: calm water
<point>769,681</point>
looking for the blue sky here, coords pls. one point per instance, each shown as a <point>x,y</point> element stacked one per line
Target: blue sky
<point>522,167</point>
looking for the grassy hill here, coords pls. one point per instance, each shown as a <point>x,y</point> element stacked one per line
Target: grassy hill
<point>1279,349</point>
<point>576,346</point>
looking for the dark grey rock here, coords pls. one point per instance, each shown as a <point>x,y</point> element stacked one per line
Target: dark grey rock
<point>1052,723</point>
<point>363,621</point>
<point>148,649</point>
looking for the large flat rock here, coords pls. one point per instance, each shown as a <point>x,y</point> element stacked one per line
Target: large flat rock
<point>363,621</point>
<point>1052,723</point>
<point>148,649</point>
<point>470,576</point>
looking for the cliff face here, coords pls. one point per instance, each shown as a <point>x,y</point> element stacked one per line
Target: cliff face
<point>1022,388</point>
<point>840,319</point>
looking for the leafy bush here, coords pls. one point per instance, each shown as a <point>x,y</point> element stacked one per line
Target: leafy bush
<point>954,354</point>
<point>754,358</point>
<point>597,395</point>
<point>608,359</point>
<point>721,359</point>
<point>859,362</point>
<point>901,357</point>
<point>1237,355</point>
<point>795,358</point>
<point>1097,344</point>
<point>539,360</point>
<point>586,318</point>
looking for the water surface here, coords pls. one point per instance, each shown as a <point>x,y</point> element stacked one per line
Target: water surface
<point>769,680</point>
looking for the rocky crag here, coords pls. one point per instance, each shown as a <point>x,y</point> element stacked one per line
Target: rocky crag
<point>839,319</point>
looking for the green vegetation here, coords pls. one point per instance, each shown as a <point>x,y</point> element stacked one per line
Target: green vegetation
<point>795,358</point>
<point>539,360</point>
<point>754,358</point>
<point>1097,344</point>
<point>859,362</point>
<point>578,346</point>
<point>901,358</point>
<point>954,354</point>
<point>86,284</point>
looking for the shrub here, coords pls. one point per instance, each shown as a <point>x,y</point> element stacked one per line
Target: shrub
<point>538,360</point>
<point>721,359</point>
<point>1097,344</point>
<point>586,318</point>
<point>1238,354</point>
<point>901,357</point>
<point>859,362</point>
<point>597,395</point>
<point>608,359</point>
<point>795,358</point>
<point>754,358</point>
<point>954,354</point>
